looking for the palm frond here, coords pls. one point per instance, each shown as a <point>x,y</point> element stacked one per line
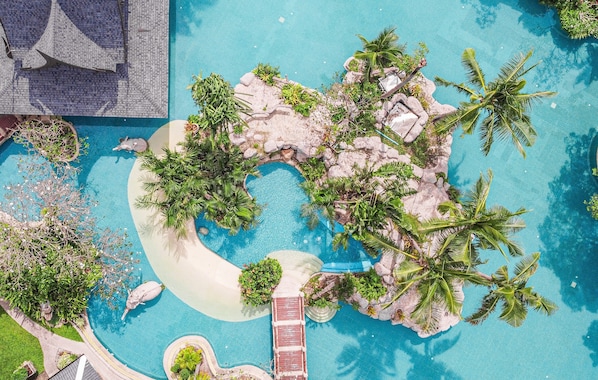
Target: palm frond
<point>474,72</point>
<point>526,267</point>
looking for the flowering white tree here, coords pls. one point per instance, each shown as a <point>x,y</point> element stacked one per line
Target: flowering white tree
<point>51,249</point>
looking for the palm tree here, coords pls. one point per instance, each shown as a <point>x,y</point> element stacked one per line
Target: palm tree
<point>436,279</point>
<point>514,294</point>
<point>504,105</point>
<point>472,226</point>
<point>219,108</point>
<point>381,52</point>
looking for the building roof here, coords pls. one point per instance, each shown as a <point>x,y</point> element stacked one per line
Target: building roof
<point>80,369</point>
<point>84,58</point>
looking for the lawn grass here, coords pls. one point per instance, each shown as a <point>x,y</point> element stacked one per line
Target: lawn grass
<point>17,346</point>
<point>67,331</point>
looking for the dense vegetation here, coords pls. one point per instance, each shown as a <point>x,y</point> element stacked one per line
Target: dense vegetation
<point>437,256</point>
<point>258,281</point>
<point>579,18</point>
<point>207,174</point>
<point>52,251</point>
<point>186,361</point>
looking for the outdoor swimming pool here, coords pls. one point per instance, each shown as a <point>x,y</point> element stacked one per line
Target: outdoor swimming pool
<point>310,45</point>
<point>281,226</point>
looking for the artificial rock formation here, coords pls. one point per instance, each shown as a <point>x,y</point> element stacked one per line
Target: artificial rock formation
<point>276,132</point>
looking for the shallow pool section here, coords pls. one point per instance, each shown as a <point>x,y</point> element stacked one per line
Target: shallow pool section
<point>281,226</point>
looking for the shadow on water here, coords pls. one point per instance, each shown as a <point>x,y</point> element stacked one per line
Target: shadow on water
<point>532,13</point>
<point>566,55</point>
<point>364,349</point>
<point>569,234</point>
<point>590,341</point>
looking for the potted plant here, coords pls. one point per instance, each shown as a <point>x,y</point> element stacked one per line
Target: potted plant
<point>25,371</point>
<point>186,362</point>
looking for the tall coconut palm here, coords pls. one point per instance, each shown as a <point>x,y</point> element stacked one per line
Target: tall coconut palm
<point>514,294</point>
<point>438,280</point>
<point>381,52</point>
<point>472,226</point>
<point>501,105</point>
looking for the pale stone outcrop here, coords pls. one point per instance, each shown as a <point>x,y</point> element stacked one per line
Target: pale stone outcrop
<point>275,131</point>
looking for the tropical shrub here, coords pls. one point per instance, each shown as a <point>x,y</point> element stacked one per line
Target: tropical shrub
<point>186,362</point>
<point>313,169</point>
<point>578,18</point>
<point>218,107</point>
<point>592,206</point>
<point>302,101</point>
<point>258,281</point>
<point>205,177</point>
<point>65,358</point>
<point>369,285</point>
<point>20,374</point>
<point>266,72</point>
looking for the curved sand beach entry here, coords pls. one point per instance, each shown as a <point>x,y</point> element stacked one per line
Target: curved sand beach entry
<point>196,275</point>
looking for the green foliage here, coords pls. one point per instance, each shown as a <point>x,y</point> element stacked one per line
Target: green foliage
<point>381,52</point>
<point>51,249</point>
<point>17,346</point>
<point>302,100</point>
<point>578,18</point>
<point>346,286</point>
<point>369,285</point>
<point>313,169</point>
<point>499,107</point>
<point>514,295</point>
<point>592,206</point>
<point>187,359</point>
<point>205,177</point>
<point>369,200</point>
<point>67,331</point>
<point>218,107</point>
<point>20,374</point>
<point>65,359</point>
<point>266,72</point>
<point>419,150</point>
<point>258,281</point>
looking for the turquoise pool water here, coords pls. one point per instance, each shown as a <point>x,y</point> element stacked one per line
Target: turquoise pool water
<point>281,226</point>
<point>310,46</point>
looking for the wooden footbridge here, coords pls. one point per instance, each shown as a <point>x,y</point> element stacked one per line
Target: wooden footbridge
<point>288,326</point>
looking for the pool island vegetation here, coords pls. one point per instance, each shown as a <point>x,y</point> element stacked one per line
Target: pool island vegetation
<point>367,150</point>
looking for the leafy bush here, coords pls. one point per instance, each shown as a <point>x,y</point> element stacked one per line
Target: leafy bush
<point>370,286</point>
<point>592,206</point>
<point>266,72</point>
<point>578,18</point>
<point>313,169</point>
<point>65,359</point>
<point>258,281</point>
<point>186,361</point>
<point>20,374</point>
<point>302,101</point>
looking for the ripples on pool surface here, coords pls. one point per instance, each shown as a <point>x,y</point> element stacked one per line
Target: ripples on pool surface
<point>310,40</point>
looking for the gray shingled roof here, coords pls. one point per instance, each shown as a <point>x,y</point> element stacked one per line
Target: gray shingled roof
<point>82,61</point>
<point>63,43</point>
<point>80,367</point>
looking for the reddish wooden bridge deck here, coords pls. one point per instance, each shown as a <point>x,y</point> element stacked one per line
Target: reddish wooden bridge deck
<point>288,324</point>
